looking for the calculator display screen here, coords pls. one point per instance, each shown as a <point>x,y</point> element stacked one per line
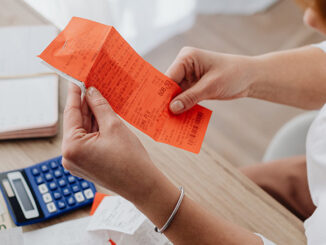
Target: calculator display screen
<point>21,191</point>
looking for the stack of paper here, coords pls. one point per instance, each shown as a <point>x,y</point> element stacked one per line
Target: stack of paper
<point>125,223</point>
<point>115,221</point>
<point>28,90</point>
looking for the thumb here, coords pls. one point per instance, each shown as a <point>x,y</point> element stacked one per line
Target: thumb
<point>99,106</point>
<point>186,100</point>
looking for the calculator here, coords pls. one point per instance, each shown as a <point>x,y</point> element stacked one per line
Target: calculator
<point>43,191</point>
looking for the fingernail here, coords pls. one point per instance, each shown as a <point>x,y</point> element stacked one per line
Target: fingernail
<point>91,91</point>
<point>177,106</point>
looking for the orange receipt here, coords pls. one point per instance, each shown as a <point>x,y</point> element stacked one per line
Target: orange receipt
<point>98,56</point>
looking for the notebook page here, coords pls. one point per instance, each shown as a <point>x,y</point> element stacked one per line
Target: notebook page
<point>31,102</point>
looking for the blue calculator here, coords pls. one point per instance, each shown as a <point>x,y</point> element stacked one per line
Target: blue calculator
<point>43,191</point>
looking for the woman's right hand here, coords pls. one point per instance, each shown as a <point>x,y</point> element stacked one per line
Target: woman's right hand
<point>205,75</point>
<point>98,146</point>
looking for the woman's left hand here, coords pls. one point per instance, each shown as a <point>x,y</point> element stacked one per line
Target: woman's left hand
<point>99,147</point>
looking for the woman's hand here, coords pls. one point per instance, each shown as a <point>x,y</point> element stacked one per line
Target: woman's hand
<point>98,146</point>
<point>295,77</point>
<point>208,75</point>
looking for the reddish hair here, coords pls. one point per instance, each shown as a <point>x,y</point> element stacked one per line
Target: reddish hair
<point>318,5</point>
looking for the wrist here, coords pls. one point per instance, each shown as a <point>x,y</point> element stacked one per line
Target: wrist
<point>261,76</point>
<point>159,202</point>
<point>241,76</point>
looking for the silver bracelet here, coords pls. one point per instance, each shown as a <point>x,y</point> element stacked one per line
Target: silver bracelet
<point>177,206</point>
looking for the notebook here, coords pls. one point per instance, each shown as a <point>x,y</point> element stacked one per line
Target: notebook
<point>28,90</point>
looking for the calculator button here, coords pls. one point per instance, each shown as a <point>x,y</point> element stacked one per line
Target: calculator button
<point>44,168</point>
<point>61,204</point>
<point>47,198</point>
<point>39,180</point>
<point>66,191</point>
<point>52,186</point>
<point>71,201</point>
<point>66,171</point>
<point>88,193</point>
<point>51,207</point>
<point>35,171</point>
<point>62,183</point>
<point>48,177</point>
<point>71,179</point>
<point>79,197</point>
<point>84,184</point>
<point>75,188</point>
<point>53,165</point>
<point>43,188</point>
<point>56,195</point>
<point>57,173</point>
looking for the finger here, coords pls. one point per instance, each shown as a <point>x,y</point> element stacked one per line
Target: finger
<point>186,66</point>
<point>94,125</point>
<point>87,116</point>
<point>188,98</point>
<point>99,107</point>
<point>176,71</point>
<point>72,113</point>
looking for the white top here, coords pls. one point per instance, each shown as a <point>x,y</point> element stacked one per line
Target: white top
<point>316,167</point>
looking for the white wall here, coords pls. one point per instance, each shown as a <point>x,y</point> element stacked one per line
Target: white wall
<point>143,23</point>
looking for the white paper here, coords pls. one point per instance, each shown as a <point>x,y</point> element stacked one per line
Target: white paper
<point>145,234</point>
<point>19,47</point>
<point>116,214</point>
<point>13,236</point>
<point>31,102</point>
<point>28,103</point>
<point>67,233</point>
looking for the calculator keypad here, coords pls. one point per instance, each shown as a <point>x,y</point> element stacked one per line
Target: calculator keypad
<point>52,186</point>
<point>71,200</point>
<point>44,168</point>
<point>57,173</point>
<point>51,207</point>
<point>88,194</point>
<point>43,188</point>
<point>79,197</point>
<point>35,171</point>
<point>57,195</point>
<point>59,189</point>
<point>62,183</point>
<point>61,204</point>
<point>47,197</point>
<point>39,180</point>
<point>54,164</point>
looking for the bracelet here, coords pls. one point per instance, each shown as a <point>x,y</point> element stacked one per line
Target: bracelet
<point>177,206</point>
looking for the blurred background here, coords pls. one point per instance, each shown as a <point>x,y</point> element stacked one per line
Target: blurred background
<point>240,130</point>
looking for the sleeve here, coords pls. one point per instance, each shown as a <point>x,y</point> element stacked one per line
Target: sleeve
<point>321,45</point>
<point>265,241</point>
<point>316,171</point>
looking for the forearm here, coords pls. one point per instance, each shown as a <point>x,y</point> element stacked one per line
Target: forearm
<point>296,77</point>
<point>192,224</point>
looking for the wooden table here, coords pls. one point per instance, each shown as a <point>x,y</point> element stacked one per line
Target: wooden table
<point>207,178</point>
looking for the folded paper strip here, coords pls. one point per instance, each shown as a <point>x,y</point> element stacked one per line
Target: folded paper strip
<point>98,56</point>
